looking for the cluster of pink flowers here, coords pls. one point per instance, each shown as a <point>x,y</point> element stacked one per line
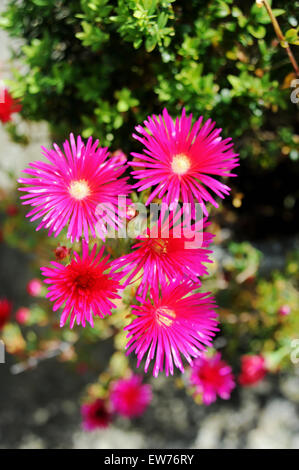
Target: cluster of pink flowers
<point>212,376</point>
<point>180,163</point>
<point>128,397</point>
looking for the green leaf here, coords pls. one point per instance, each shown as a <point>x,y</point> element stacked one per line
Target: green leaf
<point>291,36</point>
<point>162,20</point>
<point>257,31</point>
<point>150,43</point>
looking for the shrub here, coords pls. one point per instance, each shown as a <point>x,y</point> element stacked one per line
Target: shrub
<point>99,66</point>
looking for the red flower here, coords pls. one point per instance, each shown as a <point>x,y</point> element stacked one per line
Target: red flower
<point>253,370</point>
<point>8,106</point>
<point>5,311</point>
<point>84,287</point>
<point>95,415</point>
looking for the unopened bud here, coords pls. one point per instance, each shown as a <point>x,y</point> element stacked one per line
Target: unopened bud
<point>62,252</point>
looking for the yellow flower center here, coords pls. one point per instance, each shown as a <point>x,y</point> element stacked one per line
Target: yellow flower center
<point>160,246</point>
<point>79,189</point>
<point>180,164</point>
<point>165,316</point>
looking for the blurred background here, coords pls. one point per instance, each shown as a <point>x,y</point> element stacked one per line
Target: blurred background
<point>99,68</point>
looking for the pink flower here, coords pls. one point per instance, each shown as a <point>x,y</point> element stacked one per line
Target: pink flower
<point>253,370</point>
<point>212,376</point>
<point>75,189</point>
<point>284,310</point>
<point>161,254</point>
<point>176,322</point>
<point>5,311</point>
<point>34,287</point>
<point>182,161</point>
<point>129,397</point>
<point>22,315</point>
<point>83,287</point>
<point>8,106</point>
<point>95,415</point>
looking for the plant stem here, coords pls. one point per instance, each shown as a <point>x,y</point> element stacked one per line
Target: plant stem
<point>281,37</point>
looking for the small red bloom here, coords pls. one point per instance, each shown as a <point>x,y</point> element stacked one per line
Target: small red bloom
<point>82,368</point>
<point>284,310</point>
<point>130,397</point>
<point>212,376</point>
<point>62,252</point>
<point>34,287</point>
<point>253,370</point>
<point>8,106</point>
<point>5,311</point>
<point>12,210</point>
<point>95,415</point>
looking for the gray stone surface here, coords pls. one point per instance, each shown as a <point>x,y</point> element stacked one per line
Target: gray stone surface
<point>41,409</point>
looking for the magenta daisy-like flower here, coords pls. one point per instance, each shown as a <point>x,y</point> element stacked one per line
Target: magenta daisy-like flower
<point>212,376</point>
<point>173,323</point>
<point>84,287</point>
<point>74,189</point>
<point>95,415</point>
<point>171,248</point>
<point>129,397</point>
<point>182,161</point>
